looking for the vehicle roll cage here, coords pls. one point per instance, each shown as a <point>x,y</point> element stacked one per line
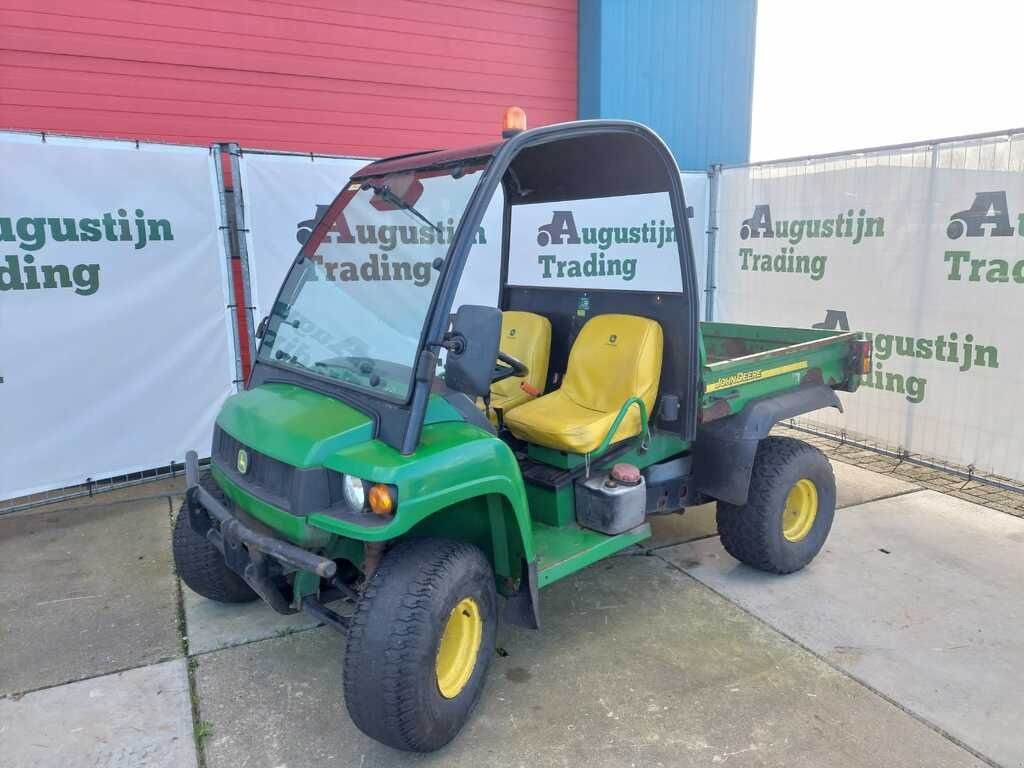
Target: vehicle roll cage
<point>400,424</point>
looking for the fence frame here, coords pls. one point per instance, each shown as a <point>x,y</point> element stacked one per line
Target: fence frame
<point>89,486</point>
<point>967,472</point>
<point>234,229</point>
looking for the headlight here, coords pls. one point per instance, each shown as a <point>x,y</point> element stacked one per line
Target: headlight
<point>355,494</point>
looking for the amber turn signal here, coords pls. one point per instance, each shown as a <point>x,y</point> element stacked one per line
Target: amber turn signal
<point>514,122</point>
<point>382,499</point>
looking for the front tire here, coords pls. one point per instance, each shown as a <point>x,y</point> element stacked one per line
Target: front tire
<point>789,509</point>
<point>200,565</point>
<point>420,642</point>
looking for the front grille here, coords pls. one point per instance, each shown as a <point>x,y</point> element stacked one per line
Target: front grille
<point>266,478</point>
<point>293,489</point>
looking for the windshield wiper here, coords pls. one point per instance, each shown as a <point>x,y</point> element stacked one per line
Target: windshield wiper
<point>384,191</point>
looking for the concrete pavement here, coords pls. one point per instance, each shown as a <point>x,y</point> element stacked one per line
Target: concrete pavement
<point>142,717</point>
<point>637,664</point>
<point>912,596</point>
<point>84,592</point>
<point>669,655</point>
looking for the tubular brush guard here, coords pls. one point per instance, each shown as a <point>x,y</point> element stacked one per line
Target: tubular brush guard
<point>250,554</point>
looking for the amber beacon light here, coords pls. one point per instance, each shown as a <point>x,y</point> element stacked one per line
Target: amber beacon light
<point>514,122</point>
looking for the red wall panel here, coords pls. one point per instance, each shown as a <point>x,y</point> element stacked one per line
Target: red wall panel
<point>360,77</point>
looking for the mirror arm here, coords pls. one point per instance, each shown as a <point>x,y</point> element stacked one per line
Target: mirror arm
<point>454,343</point>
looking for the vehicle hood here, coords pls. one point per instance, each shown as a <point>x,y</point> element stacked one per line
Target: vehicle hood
<point>292,424</point>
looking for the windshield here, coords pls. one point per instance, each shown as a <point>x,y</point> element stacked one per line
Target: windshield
<point>354,305</point>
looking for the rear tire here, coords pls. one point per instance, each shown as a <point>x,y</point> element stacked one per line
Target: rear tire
<point>789,509</point>
<point>200,565</point>
<point>420,642</point>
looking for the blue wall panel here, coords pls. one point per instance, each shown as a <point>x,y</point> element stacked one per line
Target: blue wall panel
<point>684,67</point>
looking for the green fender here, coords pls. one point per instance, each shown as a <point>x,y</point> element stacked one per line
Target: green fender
<point>460,483</point>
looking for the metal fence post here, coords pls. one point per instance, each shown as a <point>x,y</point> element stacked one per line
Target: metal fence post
<point>229,250</point>
<point>714,174</point>
<point>241,233</point>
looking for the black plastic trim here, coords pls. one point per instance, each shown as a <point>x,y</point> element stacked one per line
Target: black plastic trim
<point>523,608</point>
<point>451,271</point>
<point>723,456</point>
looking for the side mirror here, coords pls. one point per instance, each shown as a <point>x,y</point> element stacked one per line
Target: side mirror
<point>472,349</point>
<point>262,327</point>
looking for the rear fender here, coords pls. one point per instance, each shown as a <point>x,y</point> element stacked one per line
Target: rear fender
<point>723,455</point>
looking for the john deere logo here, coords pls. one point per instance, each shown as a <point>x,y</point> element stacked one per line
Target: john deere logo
<point>243,461</point>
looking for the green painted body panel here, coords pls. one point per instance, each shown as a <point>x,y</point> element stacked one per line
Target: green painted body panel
<point>661,446</point>
<point>454,461</point>
<point>291,527</point>
<point>550,506</point>
<point>746,362</point>
<point>463,482</point>
<point>554,457</point>
<point>291,424</point>
<point>301,427</point>
<point>563,551</point>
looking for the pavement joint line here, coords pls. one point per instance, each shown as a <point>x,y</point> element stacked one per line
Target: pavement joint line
<point>190,665</point>
<point>907,492</point>
<point>281,633</point>
<point>850,676</point>
<point>656,547</point>
<point>16,695</point>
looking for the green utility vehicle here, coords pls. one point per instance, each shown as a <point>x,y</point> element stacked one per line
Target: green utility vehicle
<point>438,462</point>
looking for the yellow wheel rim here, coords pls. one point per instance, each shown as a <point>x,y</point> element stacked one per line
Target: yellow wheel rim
<point>801,510</point>
<point>460,643</point>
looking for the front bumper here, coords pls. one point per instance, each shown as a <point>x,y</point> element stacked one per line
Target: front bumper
<point>261,560</point>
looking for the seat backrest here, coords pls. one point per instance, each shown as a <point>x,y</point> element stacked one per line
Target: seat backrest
<point>615,357</point>
<point>526,337</point>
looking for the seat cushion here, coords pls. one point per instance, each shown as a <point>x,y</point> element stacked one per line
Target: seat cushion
<point>557,422</point>
<point>614,358</point>
<point>526,337</point>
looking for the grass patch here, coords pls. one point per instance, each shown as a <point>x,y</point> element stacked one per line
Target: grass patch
<point>203,730</point>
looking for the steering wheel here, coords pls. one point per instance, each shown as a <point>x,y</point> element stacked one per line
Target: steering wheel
<point>512,367</point>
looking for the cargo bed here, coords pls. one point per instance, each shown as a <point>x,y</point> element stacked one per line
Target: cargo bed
<point>742,362</point>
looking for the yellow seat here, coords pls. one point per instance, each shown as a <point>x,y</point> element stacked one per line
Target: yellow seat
<point>526,337</point>
<point>615,357</point>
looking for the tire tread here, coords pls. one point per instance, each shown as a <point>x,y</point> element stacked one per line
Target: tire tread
<point>746,530</point>
<point>382,701</point>
<point>200,565</point>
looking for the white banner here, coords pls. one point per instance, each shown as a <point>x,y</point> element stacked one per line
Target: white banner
<point>114,335</point>
<point>624,243</point>
<point>928,260</point>
<point>284,195</point>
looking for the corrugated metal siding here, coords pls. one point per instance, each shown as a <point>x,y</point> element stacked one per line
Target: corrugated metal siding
<point>684,67</point>
<point>377,77</point>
